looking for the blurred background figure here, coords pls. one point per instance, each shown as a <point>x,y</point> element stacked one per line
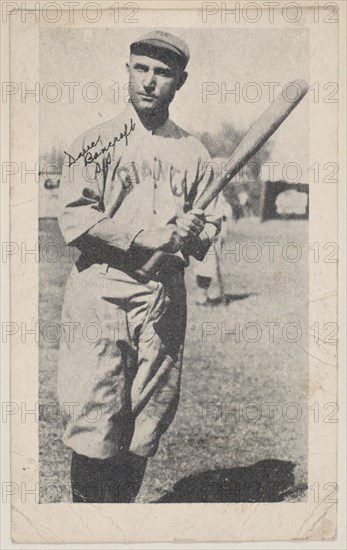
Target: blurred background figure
<point>244,203</point>
<point>208,273</point>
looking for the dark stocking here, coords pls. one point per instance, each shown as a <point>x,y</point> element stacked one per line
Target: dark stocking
<point>96,480</point>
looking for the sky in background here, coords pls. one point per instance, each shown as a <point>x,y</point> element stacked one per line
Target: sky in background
<point>223,57</point>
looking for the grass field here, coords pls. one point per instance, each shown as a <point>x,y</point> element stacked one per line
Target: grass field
<point>240,433</point>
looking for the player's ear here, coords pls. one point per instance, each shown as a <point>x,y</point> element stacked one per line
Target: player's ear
<point>128,67</point>
<point>182,77</point>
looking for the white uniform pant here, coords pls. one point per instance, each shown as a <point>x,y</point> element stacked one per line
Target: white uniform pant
<point>120,360</point>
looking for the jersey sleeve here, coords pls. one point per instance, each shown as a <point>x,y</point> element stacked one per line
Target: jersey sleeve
<point>81,207</point>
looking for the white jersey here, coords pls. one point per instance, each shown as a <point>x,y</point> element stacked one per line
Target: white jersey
<point>120,178</point>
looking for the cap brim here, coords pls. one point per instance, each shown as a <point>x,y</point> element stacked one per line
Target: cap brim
<point>156,43</point>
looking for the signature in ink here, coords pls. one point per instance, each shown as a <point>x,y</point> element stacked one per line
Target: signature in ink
<point>91,157</point>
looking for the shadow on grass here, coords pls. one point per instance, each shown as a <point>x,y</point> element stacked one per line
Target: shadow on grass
<point>265,481</point>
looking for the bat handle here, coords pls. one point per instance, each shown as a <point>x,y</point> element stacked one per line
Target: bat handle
<point>150,267</point>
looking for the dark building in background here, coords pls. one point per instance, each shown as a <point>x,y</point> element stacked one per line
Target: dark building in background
<point>282,200</point>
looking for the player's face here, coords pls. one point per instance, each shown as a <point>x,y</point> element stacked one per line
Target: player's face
<point>152,83</point>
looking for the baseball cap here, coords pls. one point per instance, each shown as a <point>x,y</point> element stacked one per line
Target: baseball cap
<point>164,45</point>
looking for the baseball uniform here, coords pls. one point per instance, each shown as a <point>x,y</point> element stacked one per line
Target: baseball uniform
<point>120,371</point>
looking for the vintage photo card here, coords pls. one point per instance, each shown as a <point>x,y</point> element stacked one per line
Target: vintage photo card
<point>175,178</point>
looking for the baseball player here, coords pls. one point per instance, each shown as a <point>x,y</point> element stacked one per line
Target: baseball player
<point>124,184</point>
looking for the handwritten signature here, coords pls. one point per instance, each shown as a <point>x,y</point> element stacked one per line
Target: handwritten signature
<point>91,157</point>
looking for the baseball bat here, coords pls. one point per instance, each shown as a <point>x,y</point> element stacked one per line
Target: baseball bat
<point>260,131</point>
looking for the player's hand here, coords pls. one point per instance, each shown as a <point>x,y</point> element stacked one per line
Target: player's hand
<point>169,238</point>
<point>193,222</point>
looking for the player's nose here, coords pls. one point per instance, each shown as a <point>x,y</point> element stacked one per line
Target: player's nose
<point>149,80</point>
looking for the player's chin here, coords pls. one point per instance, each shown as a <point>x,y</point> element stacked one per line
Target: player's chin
<point>146,104</point>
